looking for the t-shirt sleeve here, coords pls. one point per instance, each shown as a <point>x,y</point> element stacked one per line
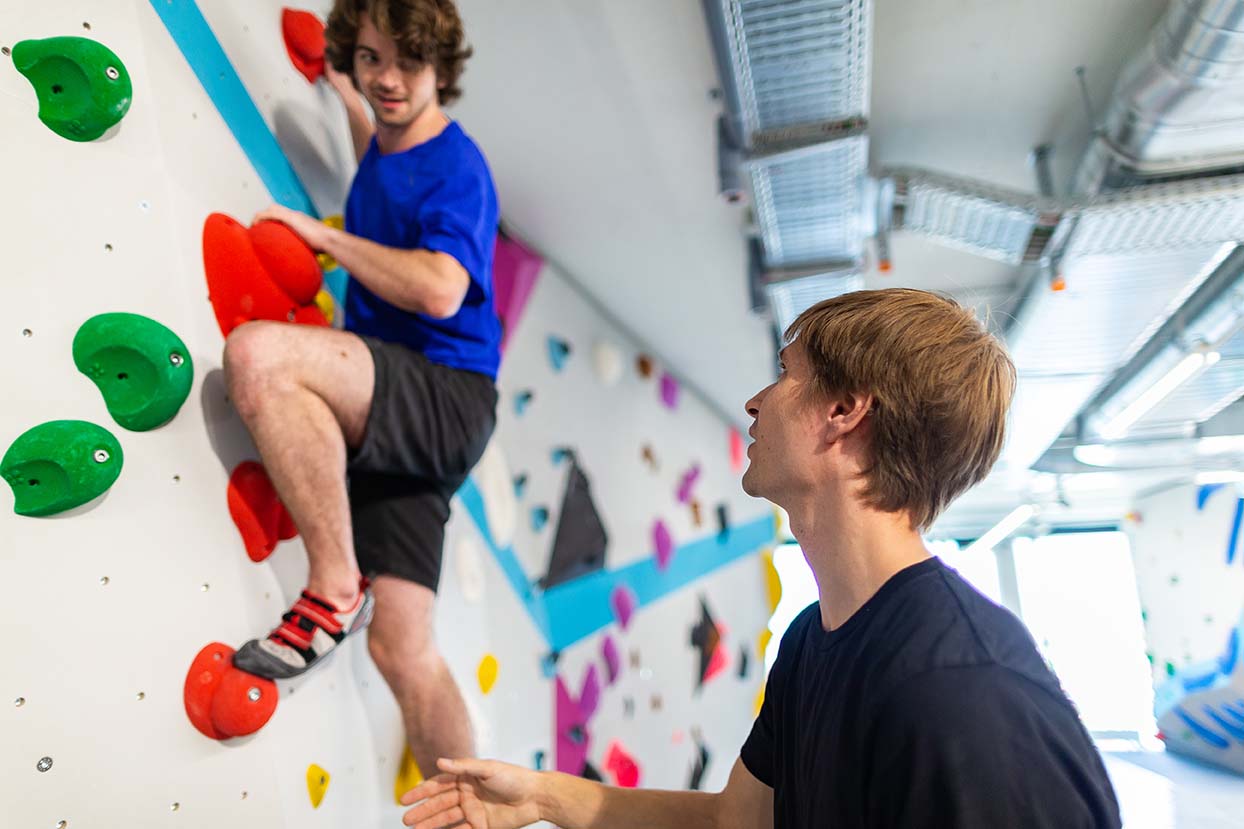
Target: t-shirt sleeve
<point>984,747</point>
<point>759,749</point>
<point>458,218</point>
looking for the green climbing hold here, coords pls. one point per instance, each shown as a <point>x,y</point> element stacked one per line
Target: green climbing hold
<point>143,369</point>
<point>60,465</point>
<point>1170,668</point>
<point>82,86</point>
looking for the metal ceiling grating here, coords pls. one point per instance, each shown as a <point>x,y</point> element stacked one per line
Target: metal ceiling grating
<point>967,215</point>
<point>809,206</point>
<point>799,61</point>
<point>791,298</point>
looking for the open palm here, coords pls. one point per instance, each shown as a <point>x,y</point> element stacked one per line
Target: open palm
<point>485,794</point>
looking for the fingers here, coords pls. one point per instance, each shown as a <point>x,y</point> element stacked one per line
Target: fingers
<point>429,788</point>
<point>271,213</point>
<point>435,812</point>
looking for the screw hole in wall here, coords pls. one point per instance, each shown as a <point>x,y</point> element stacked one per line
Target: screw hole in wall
<point>4,50</point>
<point>86,25</point>
<point>26,332</point>
<point>107,247</point>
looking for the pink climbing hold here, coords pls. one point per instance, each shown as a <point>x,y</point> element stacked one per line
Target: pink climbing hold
<point>622,766</point>
<point>669,391</point>
<point>687,484</point>
<point>515,270</point>
<point>613,661</point>
<point>738,452</point>
<point>663,544</point>
<point>622,600</point>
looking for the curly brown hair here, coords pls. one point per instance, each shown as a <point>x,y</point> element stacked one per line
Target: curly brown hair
<point>426,31</point>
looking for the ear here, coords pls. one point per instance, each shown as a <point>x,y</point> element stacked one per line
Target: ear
<point>846,413</point>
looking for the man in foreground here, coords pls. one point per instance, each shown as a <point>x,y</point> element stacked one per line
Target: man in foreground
<point>903,697</point>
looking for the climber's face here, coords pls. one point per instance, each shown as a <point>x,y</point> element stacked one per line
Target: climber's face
<point>399,88</point>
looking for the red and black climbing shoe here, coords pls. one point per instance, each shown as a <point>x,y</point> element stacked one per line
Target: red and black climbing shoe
<point>309,631</point>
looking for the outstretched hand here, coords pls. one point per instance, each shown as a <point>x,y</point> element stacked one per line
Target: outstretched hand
<point>342,82</point>
<point>311,230</point>
<point>481,794</point>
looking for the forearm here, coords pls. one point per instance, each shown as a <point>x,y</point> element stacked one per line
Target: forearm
<point>575,803</point>
<point>413,280</point>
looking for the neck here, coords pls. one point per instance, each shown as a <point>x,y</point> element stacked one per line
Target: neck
<point>425,126</point>
<point>853,551</point>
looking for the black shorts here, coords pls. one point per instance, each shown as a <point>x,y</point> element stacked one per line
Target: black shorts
<point>427,428</point>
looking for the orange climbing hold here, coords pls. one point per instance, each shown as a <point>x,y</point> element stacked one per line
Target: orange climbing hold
<point>258,513</point>
<point>222,701</point>
<point>265,272</point>
<point>304,41</point>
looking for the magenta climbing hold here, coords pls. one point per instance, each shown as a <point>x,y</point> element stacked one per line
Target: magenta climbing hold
<point>82,86</point>
<point>662,543</point>
<point>613,662</point>
<point>623,602</point>
<point>669,391</point>
<point>686,485</point>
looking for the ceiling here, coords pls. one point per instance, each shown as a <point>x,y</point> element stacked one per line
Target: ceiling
<point>598,118</point>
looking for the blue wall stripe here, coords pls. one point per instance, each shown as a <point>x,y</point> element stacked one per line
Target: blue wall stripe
<point>569,612</point>
<point>202,51</point>
<point>572,611</point>
<point>579,608</point>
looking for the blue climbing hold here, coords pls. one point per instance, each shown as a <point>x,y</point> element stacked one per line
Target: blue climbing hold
<point>559,352</point>
<point>521,401</point>
<point>539,517</point>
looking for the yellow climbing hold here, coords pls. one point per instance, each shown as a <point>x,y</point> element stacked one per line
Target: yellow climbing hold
<point>773,583</point>
<point>760,700</point>
<point>487,672</point>
<point>328,307</point>
<point>317,784</point>
<point>328,263</point>
<point>408,776</point>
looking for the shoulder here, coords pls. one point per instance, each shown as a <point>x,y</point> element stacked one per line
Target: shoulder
<point>942,622</point>
<point>947,699</point>
<point>467,153</point>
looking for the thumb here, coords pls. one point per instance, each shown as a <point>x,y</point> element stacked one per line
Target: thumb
<point>473,767</point>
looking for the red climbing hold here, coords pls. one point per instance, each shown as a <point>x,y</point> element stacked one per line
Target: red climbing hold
<point>222,701</point>
<point>202,682</point>
<point>288,260</point>
<point>260,516</point>
<point>620,763</point>
<point>265,272</point>
<point>304,41</point>
<point>243,703</point>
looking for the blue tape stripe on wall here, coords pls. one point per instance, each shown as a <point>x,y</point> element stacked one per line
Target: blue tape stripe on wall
<point>568,612</point>
<point>202,51</point>
<point>579,608</point>
<point>572,611</point>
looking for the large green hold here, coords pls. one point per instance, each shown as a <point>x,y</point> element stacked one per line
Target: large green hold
<point>60,465</point>
<point>82,86</point>
<point>143,369</point>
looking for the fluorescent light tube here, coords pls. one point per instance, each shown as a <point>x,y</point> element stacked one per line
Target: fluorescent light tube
<point>1182,372</point>
<point>1013,521</point>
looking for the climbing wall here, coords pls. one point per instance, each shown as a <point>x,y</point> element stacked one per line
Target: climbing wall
<point>604,535</point>
<point>1189,558</point>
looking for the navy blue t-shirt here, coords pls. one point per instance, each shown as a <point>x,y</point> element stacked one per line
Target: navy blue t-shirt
<point>436,196</point>
<point>929,707</point>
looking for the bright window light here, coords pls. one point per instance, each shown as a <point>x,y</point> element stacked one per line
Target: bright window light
<point>1219,476</point>
<point>1182,372</point>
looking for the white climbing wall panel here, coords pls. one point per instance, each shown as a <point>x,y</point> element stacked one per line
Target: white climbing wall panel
<point>105,606</point>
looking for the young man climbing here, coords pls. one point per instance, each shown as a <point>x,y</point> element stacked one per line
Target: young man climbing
<point>403,400</point>
<point>903,698</point>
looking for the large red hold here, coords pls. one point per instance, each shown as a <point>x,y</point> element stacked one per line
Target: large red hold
<point>258,513</point>
<point>304,41</point>
<point>265,272</point>
<point>202,682</point>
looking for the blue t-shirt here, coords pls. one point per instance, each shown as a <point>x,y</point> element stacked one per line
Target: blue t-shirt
<point>437,196</point>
